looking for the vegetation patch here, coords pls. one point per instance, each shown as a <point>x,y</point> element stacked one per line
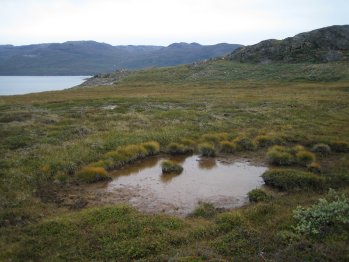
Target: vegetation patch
<point>92,174</point>
<point>285,156</point>
<point>205,210</point>
<point>207,150</point>
<point>330,214</point>
<point>259,195</point>
<point>178,149</point>
<point>322,149</point>
<point>291,179</point>
<point>170,167</point>
<point>244,143</point>
<point>227,147</point>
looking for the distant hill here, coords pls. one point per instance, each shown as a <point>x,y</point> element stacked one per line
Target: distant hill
<point>89,57</point>
<point>321,45</point>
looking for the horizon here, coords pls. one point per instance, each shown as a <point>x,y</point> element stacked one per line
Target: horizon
<point>177,42</point>
<point>162,23</point>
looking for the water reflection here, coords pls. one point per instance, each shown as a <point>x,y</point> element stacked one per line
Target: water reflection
<point>222,183</point>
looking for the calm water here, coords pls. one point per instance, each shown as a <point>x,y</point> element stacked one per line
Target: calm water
<point>17,85</point>
<point>224,183</point>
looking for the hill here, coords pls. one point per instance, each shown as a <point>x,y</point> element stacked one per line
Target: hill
<point>322,45</point>
<point>89,57</point>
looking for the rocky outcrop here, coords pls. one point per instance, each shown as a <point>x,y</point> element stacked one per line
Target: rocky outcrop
<point>322,45</point>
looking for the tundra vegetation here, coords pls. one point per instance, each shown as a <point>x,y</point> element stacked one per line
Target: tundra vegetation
<point>292,116</point>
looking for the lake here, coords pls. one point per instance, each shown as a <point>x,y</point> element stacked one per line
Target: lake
<point>17,85</point>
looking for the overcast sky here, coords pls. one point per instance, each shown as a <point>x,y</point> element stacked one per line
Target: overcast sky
<point>161,22</point>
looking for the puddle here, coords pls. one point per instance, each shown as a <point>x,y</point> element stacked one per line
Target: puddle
<point>222,182</point>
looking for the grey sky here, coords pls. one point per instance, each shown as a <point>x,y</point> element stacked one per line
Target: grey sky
<point>161,22</point>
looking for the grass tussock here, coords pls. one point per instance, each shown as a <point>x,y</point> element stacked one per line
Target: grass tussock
<point>285,156</point>
<point>291,180</point>
<point>227,147</point>
<point>244,143</point>
<point>339,146</point>
<point>265,141</point>
<point>152,147</point>
<point>92,174</point>
<point>214,138</point>
<point>171,167</point>
<point>259,195</point>
<point>207,150</point>
<point>178,149</point>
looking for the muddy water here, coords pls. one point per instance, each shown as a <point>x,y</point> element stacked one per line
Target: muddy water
<point>222,182</point>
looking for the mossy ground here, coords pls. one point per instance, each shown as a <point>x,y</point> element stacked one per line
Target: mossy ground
<point>55,134</point>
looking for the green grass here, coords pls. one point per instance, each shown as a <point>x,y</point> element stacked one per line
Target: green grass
<point>53,135</point>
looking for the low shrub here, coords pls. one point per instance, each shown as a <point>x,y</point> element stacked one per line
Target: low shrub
<point>322,149</point>
<point>171,167</point>
<point>328,214</point>
<point>244,143</point>
<point>291,179</point>
<point>205,210</point>
<point>304,157</point>
<point>279,155</point>
<point>152,147</point>
<point>264,141</point>
<point>207,150</point>
<point>92,174</point>
<point>340,146</point>
<point>227,147</point>
<point>177,149</point>
<point>258,195</point>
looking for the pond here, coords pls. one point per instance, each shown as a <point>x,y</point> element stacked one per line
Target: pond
<point>223,182</point>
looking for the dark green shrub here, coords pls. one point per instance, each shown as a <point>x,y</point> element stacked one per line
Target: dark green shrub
<point>290,179</point>
<point>227,147</point>
<point>244,143</point>
<point>305,158</point>
<point>170,167</point>
<point>92,174</point>
<point>322,149</point>
<point>207,150</point>
<point>258,195</point>
<point>279,155</point>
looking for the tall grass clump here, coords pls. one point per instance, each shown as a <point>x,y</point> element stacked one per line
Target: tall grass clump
<point>170,167</point>
<point>305,157</point>
<point>92,174</point>
<point>178,149</point>
<point>189,143</point>
<point>227,147</point>
<point>291,179</point>
<point>285,156</point>
<point>258,195</point>
<point>152,147</point>
<point>214,138</point>
<point>244,143</point>
<point>207,150</point>
<point>279,155</point>
<point>264,140</point>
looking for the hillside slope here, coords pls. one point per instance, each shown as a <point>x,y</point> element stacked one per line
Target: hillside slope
<point>321,45</point>
<point>89,57</point>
